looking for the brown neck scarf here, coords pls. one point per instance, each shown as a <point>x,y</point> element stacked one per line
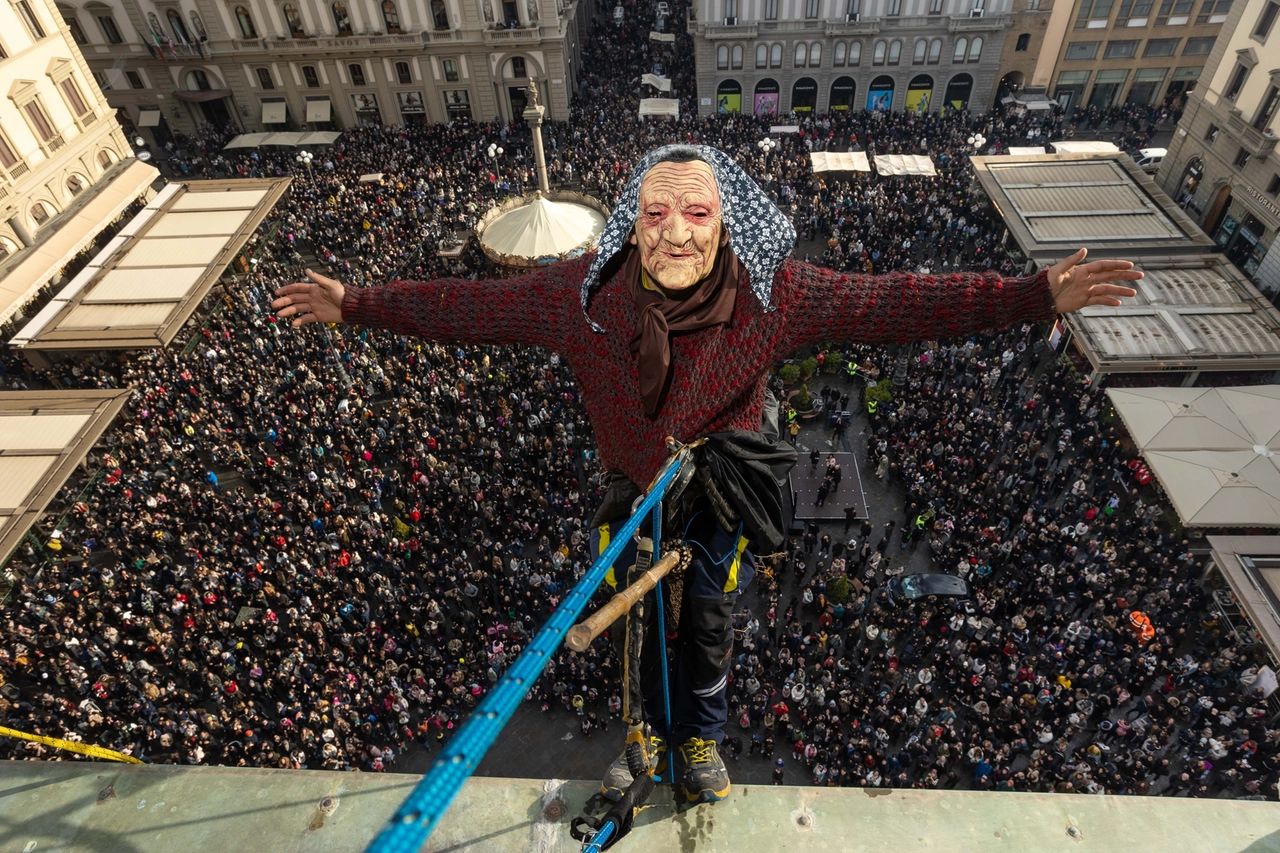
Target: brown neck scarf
<point>709,303</point>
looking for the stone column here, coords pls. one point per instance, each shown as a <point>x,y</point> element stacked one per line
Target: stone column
<point>24,236</point>
<point>533,114</point>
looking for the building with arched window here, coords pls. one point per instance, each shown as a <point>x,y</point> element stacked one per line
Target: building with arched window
<point>828,55</point>
<point>301,64</point>
<point>61,151</point>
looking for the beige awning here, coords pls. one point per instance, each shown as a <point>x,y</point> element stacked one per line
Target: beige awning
<point>670,38</point>
<point>904,164</point>
<point>149,118</point>
<point>543,228</point>
<point>318,109</point>
<point>840,161</point>
<point>320,137</point>
<point>246,140</point>
<point>290,139</point>
<point>662,84</point>
<point>1216,451</point>
<point>39,263</point>
<point>660,107</point>
<point>1017,151</point>
<point>273,112</point>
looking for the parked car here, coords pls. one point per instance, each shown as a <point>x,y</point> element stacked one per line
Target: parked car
<point>908,588</point>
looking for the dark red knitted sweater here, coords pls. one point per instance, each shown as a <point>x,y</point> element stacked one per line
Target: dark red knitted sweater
<point>718,379</point>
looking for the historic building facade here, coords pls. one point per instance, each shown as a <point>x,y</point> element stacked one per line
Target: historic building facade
<point>268,65</point>
<point>1106,53</point>
<point>1222,165</point>
<point>800,56</point>
<point>58,139</point>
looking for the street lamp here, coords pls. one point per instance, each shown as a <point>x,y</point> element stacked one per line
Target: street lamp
<point>767,144</point>
<point>304,158</point>
<point>977,141</point>
<point>495,151</point>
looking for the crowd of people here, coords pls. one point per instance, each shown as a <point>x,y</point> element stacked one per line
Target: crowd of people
<point>319,548</point>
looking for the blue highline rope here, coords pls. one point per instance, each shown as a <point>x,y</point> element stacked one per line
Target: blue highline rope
<point>413,822</point>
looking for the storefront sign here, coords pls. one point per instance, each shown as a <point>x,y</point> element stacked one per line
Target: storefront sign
<point>1259,199</point>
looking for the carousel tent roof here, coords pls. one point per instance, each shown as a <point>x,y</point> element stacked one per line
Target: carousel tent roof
<point>543,228</point>
<point>1214,450</point>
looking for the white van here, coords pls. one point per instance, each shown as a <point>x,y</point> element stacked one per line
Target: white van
<point>1149,159</point>
<point>1083,148</point>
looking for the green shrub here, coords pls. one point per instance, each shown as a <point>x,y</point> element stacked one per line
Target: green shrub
<point>880,392</point>
<point>840,591</point>
<point>803,399</point>
<point>808,367</point>
<point>789,373</point>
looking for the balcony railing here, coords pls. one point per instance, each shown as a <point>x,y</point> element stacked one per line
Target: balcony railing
<point>522,35</point>
<point>322,43</point>
<point>867,26</point>
<point>989,22</point>
<point>735,31</point>
<point>1251,139</point>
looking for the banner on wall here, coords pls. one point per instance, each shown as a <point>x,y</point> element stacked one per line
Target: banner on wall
<point>920,95</point>
<point>766,102</point>
<point>959,90</point>
<point>880,95</point>
<point>729,97</point>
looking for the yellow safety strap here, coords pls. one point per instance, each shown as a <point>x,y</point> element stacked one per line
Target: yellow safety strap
<point>731,583</point>
<point>604,543</point>
<point>70,745</point>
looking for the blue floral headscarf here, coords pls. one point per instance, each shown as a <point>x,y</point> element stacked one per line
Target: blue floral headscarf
<point>759,234</point>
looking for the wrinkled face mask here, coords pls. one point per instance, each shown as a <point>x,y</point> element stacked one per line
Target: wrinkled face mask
<point>678,227</point>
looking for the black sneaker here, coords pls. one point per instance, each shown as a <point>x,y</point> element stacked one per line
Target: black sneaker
<point>618,777</point>
<point>703,775</point>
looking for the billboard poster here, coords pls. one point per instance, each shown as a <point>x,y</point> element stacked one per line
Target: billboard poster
<point>880,97</point>
<point>920,95</point>
<point>729,97</point>
<point>766,102</point>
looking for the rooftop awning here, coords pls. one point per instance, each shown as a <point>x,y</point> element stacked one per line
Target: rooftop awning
<point>149,118</point>
<point>319,109</point>
<point>784,128</point>
<point>320,137</point>
<point>657,36</point>
<point>904,164</point>
<point>139,291</point>
<point>1016,151</point>
<point>660,107</point>
<point>838,161</point>
<point>43,437</point>
<point>289,139</point>
<point>32,267</point>
<point>1213,449</point>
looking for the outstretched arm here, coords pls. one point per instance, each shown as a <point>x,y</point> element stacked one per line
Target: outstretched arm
<point>532,309</point>
<point>901,307</point>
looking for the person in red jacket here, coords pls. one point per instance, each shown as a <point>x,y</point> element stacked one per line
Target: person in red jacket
<point>670,329</point>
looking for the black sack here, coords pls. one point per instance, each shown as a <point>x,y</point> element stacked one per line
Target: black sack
<point>748,470</point>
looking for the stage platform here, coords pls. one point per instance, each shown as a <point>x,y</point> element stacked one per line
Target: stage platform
<point>805,480</point>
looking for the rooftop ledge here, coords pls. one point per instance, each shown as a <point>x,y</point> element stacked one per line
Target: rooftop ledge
<point>107,808</point>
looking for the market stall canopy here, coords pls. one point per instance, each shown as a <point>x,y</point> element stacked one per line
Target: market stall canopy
<point>1016,151</point>
<point>1213,449</point>
<point>246,140</point>
<point>371,178</point>
<point>1251,567</point>
<point>839,161</point>
<point>660,107</point>
<point>24,272</point>
<point>662,84</point>
<point>904,164</point>
<point>784,128</point>
<point>141,289</point>
<point>290,139</point>
<point>44,435</point>
<point>538,229</point>
<point>667,37</point>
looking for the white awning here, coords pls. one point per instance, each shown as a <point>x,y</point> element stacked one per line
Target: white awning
<point>273,112</point>
<point>42,261</point>
<point>290,139</point>
<point>662,84</point>
<point>149,118</point>
<point>246,140</point>
<point>1016,151</point>
<point>660,107</point>
<point>371,178</point>
<point>1213,449</point>
<point>319,109</point>
<point>784,128</point>
<point>835,161</point>
<point>904,164</point>
<point>667,37</point>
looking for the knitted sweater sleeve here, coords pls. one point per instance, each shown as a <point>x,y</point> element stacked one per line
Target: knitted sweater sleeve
<point>901,307</point>
<point>537,308</point>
